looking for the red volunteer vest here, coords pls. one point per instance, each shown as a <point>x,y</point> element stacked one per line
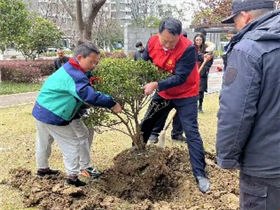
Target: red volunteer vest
<point>167,60</point>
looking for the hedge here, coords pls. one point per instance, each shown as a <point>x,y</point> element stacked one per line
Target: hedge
<point>25,71</point>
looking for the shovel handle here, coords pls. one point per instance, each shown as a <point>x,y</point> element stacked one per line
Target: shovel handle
<point>169,122</point>
<point>202,66</point>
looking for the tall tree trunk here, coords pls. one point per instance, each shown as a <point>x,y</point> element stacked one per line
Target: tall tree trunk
<point>94,9</point>
<point>84,24</point>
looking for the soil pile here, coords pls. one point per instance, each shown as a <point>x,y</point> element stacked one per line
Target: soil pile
<point>153,179</point>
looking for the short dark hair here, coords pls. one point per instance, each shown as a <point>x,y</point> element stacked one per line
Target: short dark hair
<point>202,30</point>
<point>174,26</point>
<point>139,44</point>
<point>85,48</point>
<point>185,34</point>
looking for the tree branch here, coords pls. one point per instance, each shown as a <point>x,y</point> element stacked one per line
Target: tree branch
<point>112,128</point>
<point>80,21</point>
<point>95,7</point>
<point>68,10</point>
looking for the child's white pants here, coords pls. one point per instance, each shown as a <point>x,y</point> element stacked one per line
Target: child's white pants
<point>73,141</point>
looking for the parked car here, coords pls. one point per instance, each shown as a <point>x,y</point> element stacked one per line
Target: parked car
<point>51,49</point>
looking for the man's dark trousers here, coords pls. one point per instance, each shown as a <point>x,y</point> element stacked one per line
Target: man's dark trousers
<point>259,193</point>
<point>187,112</point>
<point>177,129</point>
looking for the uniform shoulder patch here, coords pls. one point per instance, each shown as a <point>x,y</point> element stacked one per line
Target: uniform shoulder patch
<point>230,75</point>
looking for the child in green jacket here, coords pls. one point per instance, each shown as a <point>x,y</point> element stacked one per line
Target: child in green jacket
<point>61,96</point>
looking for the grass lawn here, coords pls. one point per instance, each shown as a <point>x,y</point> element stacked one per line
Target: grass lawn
<point>17,146</point>
<point>12,87</point>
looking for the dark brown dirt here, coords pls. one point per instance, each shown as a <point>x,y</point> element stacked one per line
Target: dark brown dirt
<point>155,179</point>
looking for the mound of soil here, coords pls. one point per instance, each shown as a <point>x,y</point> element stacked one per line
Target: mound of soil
<point>152,179</point>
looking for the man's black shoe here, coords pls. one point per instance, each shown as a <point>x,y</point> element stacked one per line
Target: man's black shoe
<point>179,138</point>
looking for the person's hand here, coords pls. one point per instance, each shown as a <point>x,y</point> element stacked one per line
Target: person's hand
<point>149,88</point>
<point>117,108</point>
<point>208,56</point>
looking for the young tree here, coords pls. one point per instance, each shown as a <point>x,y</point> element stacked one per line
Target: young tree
<point>85,24</point>
<point>123,79</point>
<point>42,33</point>
<point>13,22</point>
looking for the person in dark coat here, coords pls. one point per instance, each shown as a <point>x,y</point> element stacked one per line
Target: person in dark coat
<point>60,60</point>
<point>140,50</point>
<point>199,42</point>
<point>248,118</point>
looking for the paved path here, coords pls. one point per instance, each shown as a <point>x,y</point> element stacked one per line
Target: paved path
<point>214,85</point>
<point>17,99</point>
<point>215,77</point>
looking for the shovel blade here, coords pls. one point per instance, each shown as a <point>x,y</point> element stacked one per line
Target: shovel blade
<point>161,139</point>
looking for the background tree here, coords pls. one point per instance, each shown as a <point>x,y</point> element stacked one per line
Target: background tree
<point>107,32</point>
<point>213,11</point>
<point>13,22</point>
<point>140,10</point>
<point>84,22</point>
<point>41,34</point>
<point>148,13</point>
<point>148,22</point>
<point>123,79</point>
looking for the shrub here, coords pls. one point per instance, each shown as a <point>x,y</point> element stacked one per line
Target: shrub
<point>25,71</point>
<point>123,79</point>
<point>46,66</point>
<point>14,71</point>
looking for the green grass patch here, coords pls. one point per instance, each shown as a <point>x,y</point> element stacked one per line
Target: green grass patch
<point>12,87</point>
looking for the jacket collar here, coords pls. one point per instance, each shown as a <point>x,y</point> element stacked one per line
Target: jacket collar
<point>75,63</point>
<point>261,23</point>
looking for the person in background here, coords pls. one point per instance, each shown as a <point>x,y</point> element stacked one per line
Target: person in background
<point>60,60</point>
<point>185,34</point>
<point>62,95</point>
<point>140,50</point>
<point>248,134</point>
<point>203,55</point>
<point>172,52</point>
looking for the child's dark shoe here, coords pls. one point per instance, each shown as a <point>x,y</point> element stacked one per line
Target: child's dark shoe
<point>41,172</point>
<point>74,180</point>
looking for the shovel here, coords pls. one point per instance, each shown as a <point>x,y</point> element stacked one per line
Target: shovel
<point>161,138</point>
<point>202,65</point>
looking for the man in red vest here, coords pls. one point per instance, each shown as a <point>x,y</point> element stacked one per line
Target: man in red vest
<point>170,51</point>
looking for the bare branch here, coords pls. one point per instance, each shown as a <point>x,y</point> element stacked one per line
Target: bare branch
<point>116,129</point>
<point>69,11</point>
<point>95,7</point>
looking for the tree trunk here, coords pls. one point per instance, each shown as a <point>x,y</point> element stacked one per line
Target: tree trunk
<point>84,26</point>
